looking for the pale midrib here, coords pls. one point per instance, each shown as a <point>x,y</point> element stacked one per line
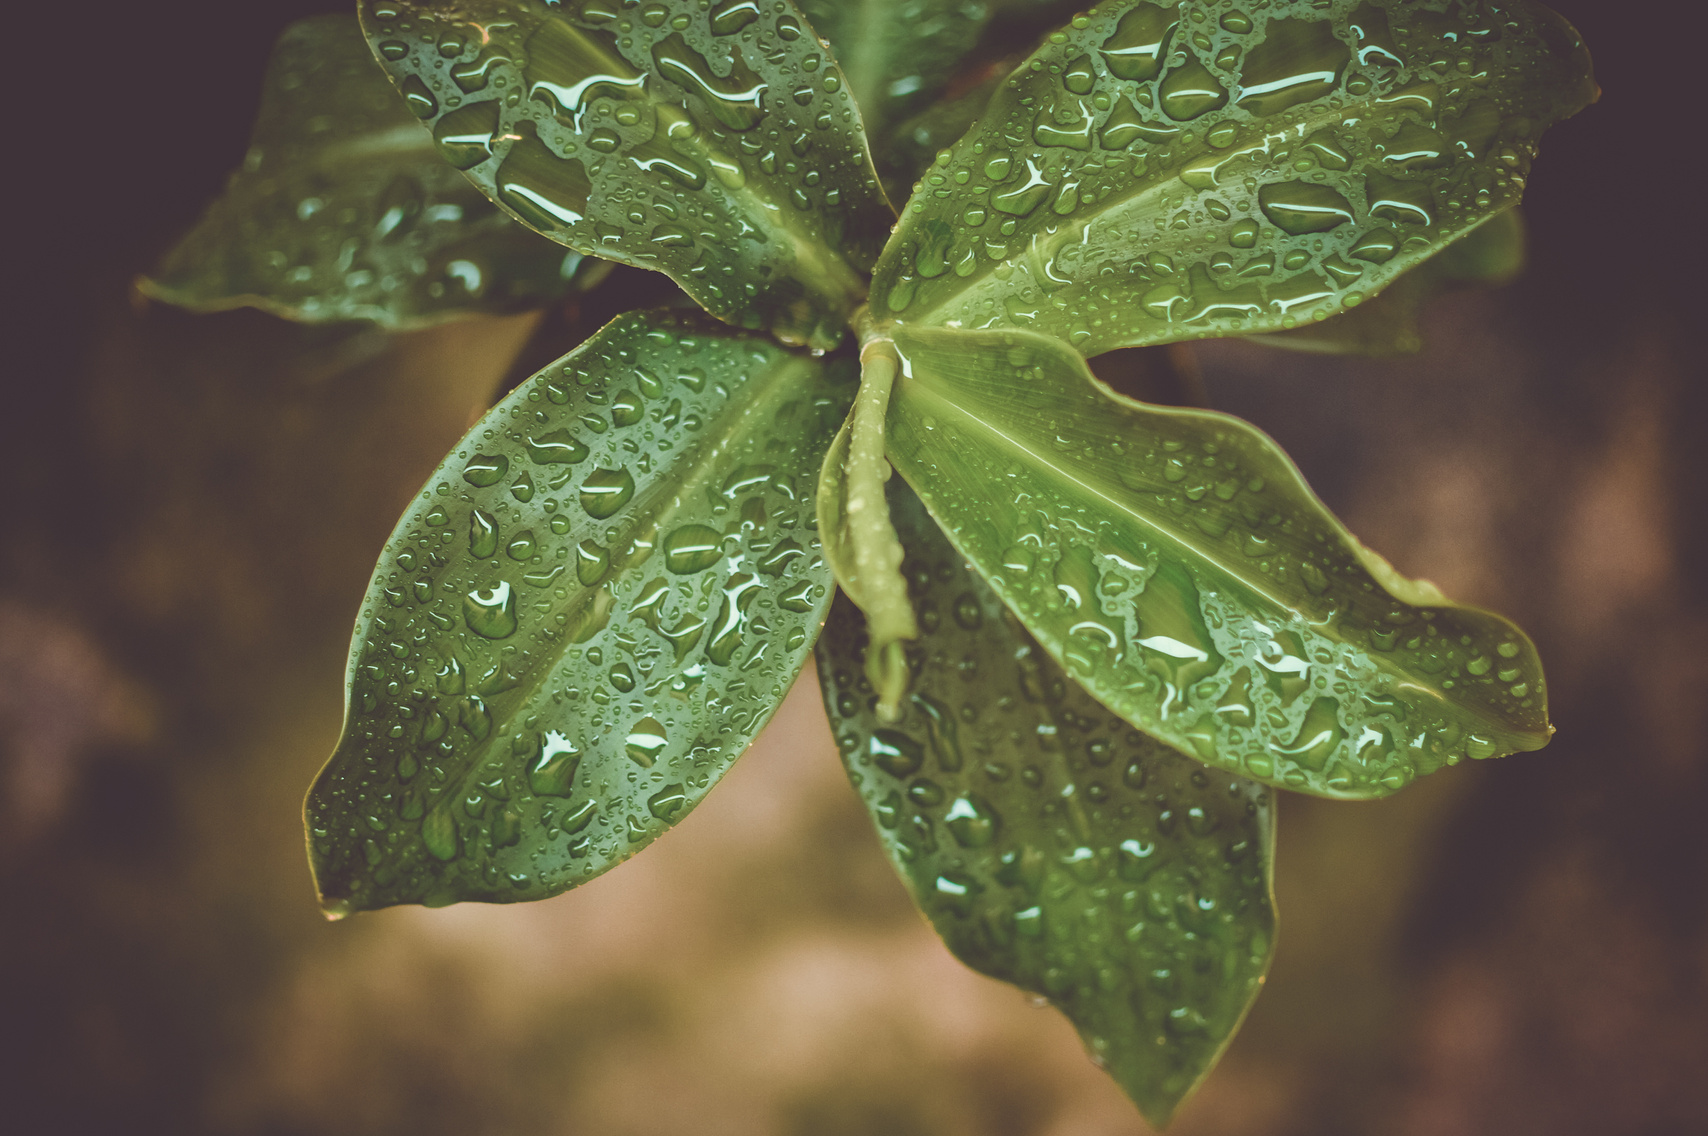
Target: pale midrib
<point>527,691</point>
<point>978,285</point>
<point>940,401</point>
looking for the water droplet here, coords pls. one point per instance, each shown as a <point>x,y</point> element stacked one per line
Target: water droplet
<point>549,193</point>
<point>1135,49</point>
<point>552,773</point>
<point>483,534</point>
<point>1298,207</point>
<point>484,470</point>
<point>1190,90</point>
<point>464,136</point>
<point>606,491</point>
<point>736,101</point>
<point>522,546</point>
<point>895,753</point>
<point>667,803</point>
<point>972,820</point>
<point>1298,60</point>
<point>731,16</point>
<point>645,742</point>
<point>421,102</point>
<point>692,548</point>
<point>491,612</point>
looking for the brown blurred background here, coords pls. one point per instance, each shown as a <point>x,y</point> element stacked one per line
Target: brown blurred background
<point>1513,948</point>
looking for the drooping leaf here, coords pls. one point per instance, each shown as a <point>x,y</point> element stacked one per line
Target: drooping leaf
<point>717,144</point>
<point>343,209</point>
<point>860,543</point>
<point>1177,565</point>
<point>1163,173</point>
<point>1051,845</point>
<point>589,610</point>
<point>1488,255</point>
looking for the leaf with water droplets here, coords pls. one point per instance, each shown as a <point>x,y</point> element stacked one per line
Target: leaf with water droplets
<point>343,210</point>
<point>1159,173</point>
<point>721,150</point>
<point>1177,565</point>
<point>1051,845</point>
<point>590,609</point>
<point>1489,255</point>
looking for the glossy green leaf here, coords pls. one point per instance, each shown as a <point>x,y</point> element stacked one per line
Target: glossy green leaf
<point>343,209</point>
<point>584,617</point>
<point>1051,845</point>
<point>717,143</point>
<point>860,544</point>
<point>1177,565</point>
<point>1488,255</point>
<point>1164,173</point>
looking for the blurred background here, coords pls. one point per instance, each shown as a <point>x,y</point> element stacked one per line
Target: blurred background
<point>1516,947</point>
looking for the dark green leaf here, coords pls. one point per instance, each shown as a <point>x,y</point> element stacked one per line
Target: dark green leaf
<point>719,145</point>
<point>1165,173</point>
<point>897,54</point>
<point>909,149</point>
<point>591,608</point>
<point>1177,565</point>
<point>1052,845</point>
<point>1490,254</point>
<point>343,210</point>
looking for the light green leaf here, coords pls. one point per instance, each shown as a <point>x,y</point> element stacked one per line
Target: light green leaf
<point>584,617</point>
<point>1177,565</point>
<point>716,144</point>
<point>1164,173</point>
<point>1051,845</point>
<point>343,210</point>
<point>860,544</point>
<point>1490,254</point>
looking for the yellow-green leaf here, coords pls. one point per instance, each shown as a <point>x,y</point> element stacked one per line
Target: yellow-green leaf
<point>1158,173</point>
<point>1177,565</point>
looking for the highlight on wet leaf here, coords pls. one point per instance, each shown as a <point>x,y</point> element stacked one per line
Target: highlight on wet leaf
<point>344,210</point>
<point>1157,173</point>
<point>1051,844</point>
<point>587,613</point>
<point>1176,564</point>
<point>718,144</point>
<point>1487,256</point>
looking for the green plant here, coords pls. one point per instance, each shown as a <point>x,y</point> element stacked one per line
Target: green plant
<point>1082,635</point>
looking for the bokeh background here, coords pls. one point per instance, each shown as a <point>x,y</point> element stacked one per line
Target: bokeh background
<point>195,504</point>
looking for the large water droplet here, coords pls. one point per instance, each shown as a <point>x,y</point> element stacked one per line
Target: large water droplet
<point>1297,61</point>
<point>465,134</point>
<point>1298,207</point>
<point>1135,49</point>
<point>1190,90</point>
<point>491,612</point>
<point>692,548</point>
<point>607,490</point>
<point>484,470</point>
<point>552,773</point>
<point>645,742</point>
<point>557,447</point>
<point>972,820</point>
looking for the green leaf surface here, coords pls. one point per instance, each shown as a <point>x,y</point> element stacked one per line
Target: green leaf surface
<point>1051,845</point>
<point>343,209</point>
<point>897,54</point>
<point>591,608</point>
<point>718,144</point>
<point>1177,565</point>
<point>1163,173</point>
<point>907,151</point>
<point>1489,255</point>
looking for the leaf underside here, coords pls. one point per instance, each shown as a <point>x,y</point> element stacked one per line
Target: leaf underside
<point>1177,565</point>
<point>343,209</point>
<point>587,613</point>
<point>1051,845</point>
<point>1154,173</point>
<point>716,144</point>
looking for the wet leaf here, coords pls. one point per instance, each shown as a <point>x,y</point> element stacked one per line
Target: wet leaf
<point>1489,255</point>
<point>343,209</point>
<point>1177,565</point>
<point>1051,845</point>
<point>591,608</point>
<point>1168,173</point>
<point>860,543</point>
<point>908,150</point>
<point>716,144</point>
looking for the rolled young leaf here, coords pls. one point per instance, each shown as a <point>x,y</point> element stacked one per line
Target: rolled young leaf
<point>1157,173</point>
<point>1489,255</point>
<point>1050,844</point>
<point>343,209</point>
<point>1177,565</point>
<point>590,609</point>
<point>717,144</point>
